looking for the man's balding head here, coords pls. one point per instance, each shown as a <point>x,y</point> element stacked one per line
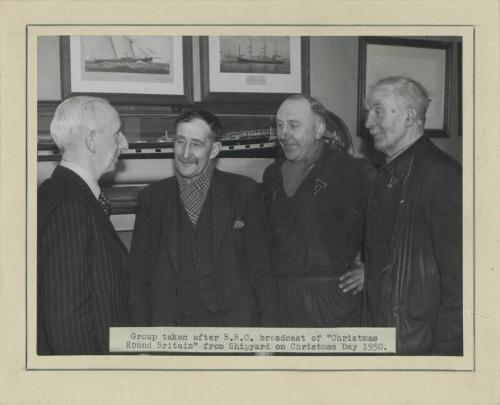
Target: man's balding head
<point>301,123</point>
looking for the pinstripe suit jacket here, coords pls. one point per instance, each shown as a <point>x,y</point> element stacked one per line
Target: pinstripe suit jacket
<point>81,269</point>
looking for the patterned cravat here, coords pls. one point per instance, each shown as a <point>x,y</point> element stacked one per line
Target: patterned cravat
<point>193,193</point>
<point>105,203</point>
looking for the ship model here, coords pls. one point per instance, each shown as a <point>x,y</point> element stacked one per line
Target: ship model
<point>245,143</point>
<point>246,140</point>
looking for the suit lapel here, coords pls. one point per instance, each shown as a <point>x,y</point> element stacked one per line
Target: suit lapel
<point>408,193</point>
<point>105,220</point>
<point>221,211</point>
<point>169,220</point>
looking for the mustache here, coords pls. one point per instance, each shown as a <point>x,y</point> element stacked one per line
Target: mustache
<point>189,161</point>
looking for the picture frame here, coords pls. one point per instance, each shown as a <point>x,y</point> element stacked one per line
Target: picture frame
<point>262,75</point>
<point>426,61</point>
<point>141,70</point>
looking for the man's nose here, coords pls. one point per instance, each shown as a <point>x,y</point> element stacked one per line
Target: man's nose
<point>369,119</point>
<point>187,150</point>
<point>283,132</point>
<point>123,143</point>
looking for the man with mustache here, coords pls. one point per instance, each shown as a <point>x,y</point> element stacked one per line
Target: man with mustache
<point>199,254</point>
<point>316,198</point>
<point>414,226</point>
<point>81,260</point>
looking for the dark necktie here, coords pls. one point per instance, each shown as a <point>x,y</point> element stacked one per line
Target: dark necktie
<point>105,203</point>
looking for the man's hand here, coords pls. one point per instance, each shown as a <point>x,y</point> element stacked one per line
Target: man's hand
<point>353,280</point>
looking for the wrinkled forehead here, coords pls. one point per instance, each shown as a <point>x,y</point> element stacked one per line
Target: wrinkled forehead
<point>384,95</point>
<point>294,110</point>
<point>194,128</point>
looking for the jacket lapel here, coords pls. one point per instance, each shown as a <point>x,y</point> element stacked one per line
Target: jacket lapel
<point>409,192</point>
<point>221,211</point>
<point>105,220</point>
<point>169,220</point>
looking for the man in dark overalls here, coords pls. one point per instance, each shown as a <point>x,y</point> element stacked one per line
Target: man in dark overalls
<point>315,198</point>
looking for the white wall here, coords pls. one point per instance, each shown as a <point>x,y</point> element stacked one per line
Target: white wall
<point>334,78</point>
<point>48,68</point>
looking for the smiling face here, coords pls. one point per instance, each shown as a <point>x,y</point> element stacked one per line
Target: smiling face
<point>194,148</point>
<point>388,120</point>
<point>299,130</point>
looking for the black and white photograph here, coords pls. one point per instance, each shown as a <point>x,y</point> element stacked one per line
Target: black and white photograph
<point>284,204</point>
<point>228,219</point>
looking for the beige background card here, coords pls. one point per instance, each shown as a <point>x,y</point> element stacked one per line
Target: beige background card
<point>27,379</point>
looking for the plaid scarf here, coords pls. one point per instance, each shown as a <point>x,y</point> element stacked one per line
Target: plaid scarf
<point>194,192</point>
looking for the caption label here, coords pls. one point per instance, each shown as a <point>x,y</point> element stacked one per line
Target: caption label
<point>253,340</point>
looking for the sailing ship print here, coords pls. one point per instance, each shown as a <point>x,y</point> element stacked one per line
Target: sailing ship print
<point>124,54</point>
<point>261,58</point>
<point>253,55</point>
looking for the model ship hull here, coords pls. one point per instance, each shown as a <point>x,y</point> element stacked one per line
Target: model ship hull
<point>254,147</point>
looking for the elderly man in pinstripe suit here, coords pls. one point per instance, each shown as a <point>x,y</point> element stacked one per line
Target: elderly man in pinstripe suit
<point>81,260</point>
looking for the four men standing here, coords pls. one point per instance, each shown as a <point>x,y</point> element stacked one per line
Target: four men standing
<point>210,249</point>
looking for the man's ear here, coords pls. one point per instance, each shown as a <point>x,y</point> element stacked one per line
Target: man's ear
<point>90,141</point>
<point>215,150</point>
<point>411,116</point>
<point>319,129</point>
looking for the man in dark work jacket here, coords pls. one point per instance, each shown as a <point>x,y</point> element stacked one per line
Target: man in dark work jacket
<point>81,260</point>
<point>414,226</point>
<point>198,254</point>
<point>316,199</point>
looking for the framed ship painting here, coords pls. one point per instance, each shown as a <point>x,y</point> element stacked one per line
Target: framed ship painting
<point>128,69</point>
<point>426,61</point>
<point>238,71</point>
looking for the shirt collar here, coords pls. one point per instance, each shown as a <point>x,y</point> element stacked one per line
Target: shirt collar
<point>85,175</point>
<point>390,159</point>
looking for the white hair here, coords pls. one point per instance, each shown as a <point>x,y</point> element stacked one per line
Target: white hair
<point>73,118</point>
<point>411,91</point>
